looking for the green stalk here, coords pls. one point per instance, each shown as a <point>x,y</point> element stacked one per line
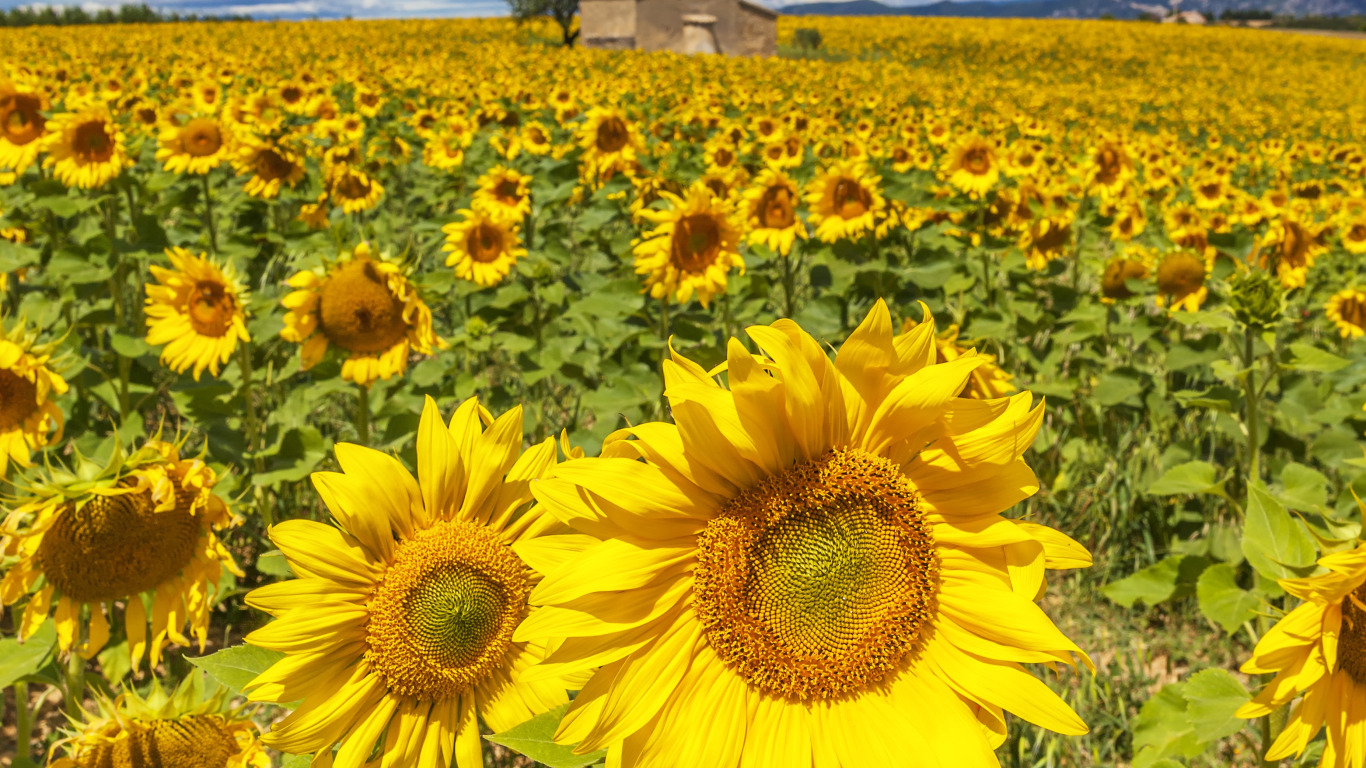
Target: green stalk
<point>75,684</point>
<point>363,415</point>
<point>1250,385</point>
<point>208,215</point>
<point>23,723</point>
<point>664,354</point>
<point>789,289</point>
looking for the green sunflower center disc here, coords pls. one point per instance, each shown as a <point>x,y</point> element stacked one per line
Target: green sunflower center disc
<point>443,616</point>
<point>1352,637</point>
<point>820,580</point>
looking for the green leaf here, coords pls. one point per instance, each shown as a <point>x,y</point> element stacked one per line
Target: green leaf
<point>19,660</point>
<point>236,666</point>
<point>1273,542</point>
<point>1222,600</point>
<point>1191,477</point>
<point>534,738</point>
<point>1213,695</point>
<point>1307,357</point>
<point>273,563</point>
<point>1115,389</point>
<point>1173,577</point>
<point>1162,728</point>
<point>296,761</point>
<point>1306,489</point>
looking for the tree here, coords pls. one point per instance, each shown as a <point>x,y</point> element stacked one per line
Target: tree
<point>562,11</point>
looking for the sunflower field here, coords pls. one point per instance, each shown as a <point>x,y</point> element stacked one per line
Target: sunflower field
<point>961,393</point>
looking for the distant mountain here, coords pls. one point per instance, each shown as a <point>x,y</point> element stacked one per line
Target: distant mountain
<point>1066,9</point>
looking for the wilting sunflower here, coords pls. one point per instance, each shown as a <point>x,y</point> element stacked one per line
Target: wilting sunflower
<point>504,194</point>
<point>270,166</point>
<point>1114,281</point>
<point>364,305</point>
<point>809,565</point>
<point>85,148</point>
<point>986,382</point>
<point>1181,277</point>
<point>971,165</point>
<point>140,533</point>
<point>198,146</point>
<point>1047,239</point>
<point>693,247</point>
<point>1318,652</point>
<point>353,189</point>
<point>399,629</point>
<point>29,417</point>
<point>844,201</point>
<point>610,143</point>
<point>22,126</point>
<point>1290,246</point>
<point>182,730</point>
<point>483,247</point>
<point>1347,310</point>
<point>196,311</point>
<point>772,207</point>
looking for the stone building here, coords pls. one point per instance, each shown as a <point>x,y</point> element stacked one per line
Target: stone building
<point>736,27</point>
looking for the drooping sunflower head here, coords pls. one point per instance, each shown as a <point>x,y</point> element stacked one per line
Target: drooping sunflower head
<point>365,305</point>
<point>270,166</point>
<point>972,165</point>
<point>845,201</point>
<point>1181,276</point>
<point>771,204</point>
<point>483,247</point>
<point>410,602</point>
<point>22,126</point>
<point>1347,310</point>
<point>183,729</point>
<point>504,194</point>
<point>693,247</point>
<point>86,147</point>
<point>139,530</point>
<point>30,418</point>
<point>196,146</point>
<point>1114,281</point>
<point>197,310</point>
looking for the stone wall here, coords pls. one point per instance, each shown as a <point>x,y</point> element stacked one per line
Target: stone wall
<point>607,23</point>
<point>742,28</point>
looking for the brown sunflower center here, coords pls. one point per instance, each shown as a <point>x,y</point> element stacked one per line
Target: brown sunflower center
<point>270,165</point>
<point>1352,636</point>
<point>723,158</point>
<point>212,308</point>
<point>508,192</point>
<point>201,137</point>
<point>696,242</point>
<point>352,186</point>
<point>443,616</point>
<point>1357,234</point>
<point>1114,283</point>
<point>612,135</point>
<point>1180,274</point>
<point>776,209</point>
<point>977,161</point>
<point>1294,246</point>
<point>1108,165</point>
<point>851,200</point>
<point>485,243</point>
<point>20,118</point>
<point>1352,310</point>
<point>358,312</point>
<point>820,580</point>
<point>115,547</point>
<point>291,94</point>
<point>18,400</point>
<point>194,741</point>
<point>92,143</point>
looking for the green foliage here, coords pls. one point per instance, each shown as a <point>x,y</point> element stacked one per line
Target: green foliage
<point>535,739</point>
<point>235,667</point>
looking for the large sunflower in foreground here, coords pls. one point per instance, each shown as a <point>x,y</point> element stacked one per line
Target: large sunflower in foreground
<point>844,201</point>
<point>810,567</point>
<point>85,148</point>
<point>140,533</point>
<point>483,247</point>
<point>771,203</point>
<point>399,629</point>
<point>29,418</point>
<point>181,730</point>
<point>986,382</point>
<point>693,247</point>
<point>196,311</point>
<point>365,305</point>
<point>1317,653</point>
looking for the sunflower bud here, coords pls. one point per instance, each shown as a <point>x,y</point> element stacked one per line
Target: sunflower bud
<point>1257,299</point>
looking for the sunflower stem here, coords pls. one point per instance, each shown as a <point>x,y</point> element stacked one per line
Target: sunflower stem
<point>664,354</point>
<point>363,415</point>
<point>208,215</point>
<point>1250,384</point>
<point>75,684</point>
<point>789,289</point>
<point>23,724</point>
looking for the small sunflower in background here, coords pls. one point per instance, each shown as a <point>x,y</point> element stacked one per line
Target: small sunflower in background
<point>771,203</point>
<point>197,146</point>
<point>1047,239</point>
<point>139,532</point>
<point>1347,310</point>
<point>1317,653</point>
<point>353,189</point>
<point>986,382</point>
<point>22,126</point>
<point>29,417</point>
<point>86,148</point>
<point>844,201</point>
<point>972,165</point>
<point>693,247</point>
<point>610,143</point>
<point>196,310</point>
<point>1181,276</point>
<point>1134,264</point>
<point>1354,236</point>
<point>483,247</point>
<point>1108,168</point>
<point>183,729</point>
<point>444,151</point>
<point>364,305</point>
<point>270,166</point>
<point>399,629</point>
<point>504,194</point>
<point>1291,244</point>
<point>536,138</point>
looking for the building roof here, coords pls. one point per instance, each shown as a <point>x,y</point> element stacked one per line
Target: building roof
<point>765,10</point>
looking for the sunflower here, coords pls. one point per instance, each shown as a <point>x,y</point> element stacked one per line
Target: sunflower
<point>504,194</point>
<point>353,189</point>
<point>1354,236</point>
<point>1109,167</point>
<point>1129,221</point>
<point>399,629</point>
<point>196,310</point>
<point>1347,310</point>
<point>366,306</point>
<point>535,138</point>
<point>198,146</point>
<point>987,382</point>
<point>270,166</point>
<point>85,148</point>
<point>1047,239</point>
<point>1318,652</point>
<point>844,201</point>
<point>810,565</point>
<point>141,530</point>
<point>22,126</point>
<point>1290,246</point>
<point>772,207</point>
<point>610,143</point>
<point>184,728</point>
<point>1114,281</point>
<point>972,165</point>
<point>1181,277</point>
<point>29,418</point>
<point>483,247</point>
<point>692,248</point>
<point>444,151</point>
